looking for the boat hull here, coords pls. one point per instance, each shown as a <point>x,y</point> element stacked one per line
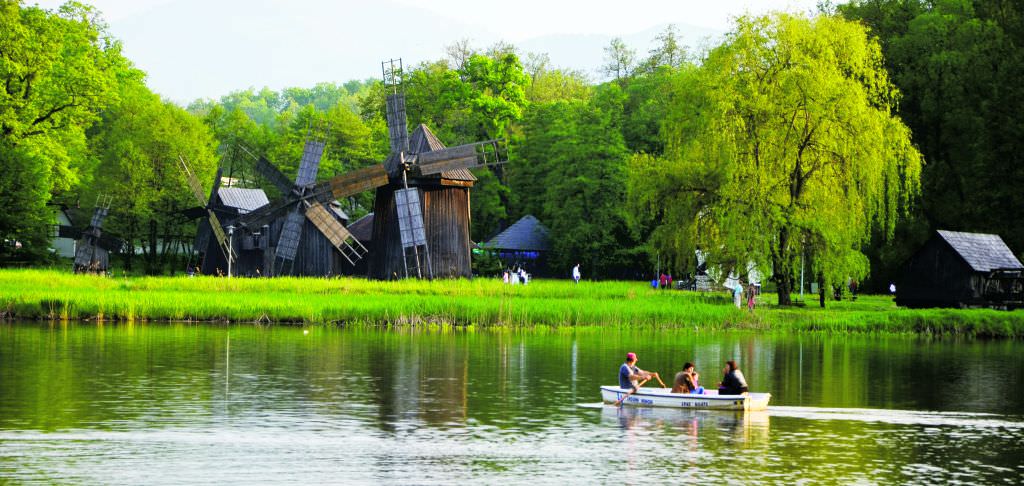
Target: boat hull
<point>662,397</point>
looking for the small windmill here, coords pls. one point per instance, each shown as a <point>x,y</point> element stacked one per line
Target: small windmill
<point>92,252</point>
<point>207,204</point>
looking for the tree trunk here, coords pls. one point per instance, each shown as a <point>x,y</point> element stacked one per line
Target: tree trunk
<point>151,255</point>
<point>129,257</point>
<point>821,290</point>
<point>782,275</point>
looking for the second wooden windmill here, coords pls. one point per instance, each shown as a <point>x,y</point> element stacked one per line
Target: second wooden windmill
<point>422,216</point>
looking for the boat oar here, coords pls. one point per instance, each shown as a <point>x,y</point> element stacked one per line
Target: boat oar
<point>659,380</point>
<point>618,403</point>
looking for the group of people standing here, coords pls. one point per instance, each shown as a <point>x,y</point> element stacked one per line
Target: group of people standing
<point>687,381</point>
<point>738,294</point>
<point>516,276</point>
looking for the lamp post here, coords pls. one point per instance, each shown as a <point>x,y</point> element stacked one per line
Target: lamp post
<point>231,247</point>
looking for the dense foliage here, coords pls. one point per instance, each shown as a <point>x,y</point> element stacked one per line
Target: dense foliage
<point>782,143</point>
<point>959,65</point>
<point>795,139</point>
<point>58,70</point>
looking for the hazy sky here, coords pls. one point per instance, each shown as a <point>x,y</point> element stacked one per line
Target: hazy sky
<point>207,48</point>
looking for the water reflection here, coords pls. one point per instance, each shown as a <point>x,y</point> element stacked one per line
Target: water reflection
<point>417,406</point>
<point>738,425</point>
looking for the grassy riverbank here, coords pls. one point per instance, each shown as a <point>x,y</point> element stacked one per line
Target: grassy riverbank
<point>42,294</point>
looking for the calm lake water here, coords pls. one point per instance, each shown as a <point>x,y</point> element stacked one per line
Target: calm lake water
<point>189,404</point>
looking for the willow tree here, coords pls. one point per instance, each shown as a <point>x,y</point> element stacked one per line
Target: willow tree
<point>782,144</point>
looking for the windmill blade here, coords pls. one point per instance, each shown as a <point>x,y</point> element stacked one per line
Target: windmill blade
<point>312,152</point>
<point>222,238</point>
<point>215,188</point>
<point>69,232</point>
<point>193,183</point>
<point>338,235</point>
<point>469,156</point>
<point>273,175</point>
<point>291,234</point>
<point>398,130</point>
<point>98,215</point>
<point>265,214</point>
<point>410,217</point>
<point>351,183</point>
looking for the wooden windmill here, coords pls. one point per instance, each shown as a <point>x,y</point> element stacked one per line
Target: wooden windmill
<point>406,235</point>
<point>421,219</point>
<point>92,251</point>
<point>212,224</point>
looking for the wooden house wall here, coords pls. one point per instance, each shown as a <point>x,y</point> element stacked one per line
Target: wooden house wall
<point>937,277</point>
<point>316,257</point>
<point>446,218</point>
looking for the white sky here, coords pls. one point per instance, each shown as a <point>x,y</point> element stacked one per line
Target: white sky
<point>207,48</point>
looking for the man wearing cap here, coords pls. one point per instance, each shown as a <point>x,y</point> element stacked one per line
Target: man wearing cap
<point>629,374</point>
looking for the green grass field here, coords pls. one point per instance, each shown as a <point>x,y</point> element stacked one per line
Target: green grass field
<point>57,295</point>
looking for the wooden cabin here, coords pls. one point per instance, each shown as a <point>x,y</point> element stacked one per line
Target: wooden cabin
<point>955,269</point>
<point>524,244</point>
<point>445,201</point>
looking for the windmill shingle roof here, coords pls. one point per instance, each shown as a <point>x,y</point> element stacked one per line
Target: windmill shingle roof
<point>983,252</point>
<point>246,200</point>
<point>527,234</point>
<point>424,140</point>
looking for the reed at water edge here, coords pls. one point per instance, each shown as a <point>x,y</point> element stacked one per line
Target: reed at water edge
<point>60,295</point>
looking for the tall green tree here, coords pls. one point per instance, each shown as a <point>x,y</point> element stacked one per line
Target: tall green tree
<point>138,143</point>
<point>569,171</point>
<point>785,141</point>
<point>959,65</point>
<point>57,71</point>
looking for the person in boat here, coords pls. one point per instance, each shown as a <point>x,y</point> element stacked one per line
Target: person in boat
<point>733,382</point>
<point>687,381</point>
<point>630,375</point>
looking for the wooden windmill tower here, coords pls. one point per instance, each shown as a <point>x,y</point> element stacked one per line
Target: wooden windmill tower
<point>421,218</point>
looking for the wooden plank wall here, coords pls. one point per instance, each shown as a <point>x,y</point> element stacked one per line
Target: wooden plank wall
<point>446,217</point>
<point>317,256</point>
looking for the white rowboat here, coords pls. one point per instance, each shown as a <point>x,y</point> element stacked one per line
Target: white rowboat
<point>663,397</point>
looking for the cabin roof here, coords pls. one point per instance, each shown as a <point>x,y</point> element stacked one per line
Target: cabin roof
<point>982,252</point>
<point>335,207</point>
<point>527,234</point>
<point>362,228</point>
<point>424,140</point>
<point>243,199</point>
